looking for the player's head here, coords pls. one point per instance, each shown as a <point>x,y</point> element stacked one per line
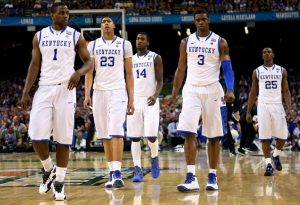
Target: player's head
<point>60,14</point>
<point>142,41</point>
<point>267,54</point>
<point>201,20</point>
<point>107,24</point>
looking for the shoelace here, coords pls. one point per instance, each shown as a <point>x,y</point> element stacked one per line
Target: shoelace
<point>45,175</point>
<point>211,178</point>
<point>189,178</point>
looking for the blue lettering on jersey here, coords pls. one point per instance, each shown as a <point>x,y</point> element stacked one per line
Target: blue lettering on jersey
<point>139,65</point>
<point>56,43</point>
<point>269,77</point>
<point>197,49</point>
<point>108,51</point>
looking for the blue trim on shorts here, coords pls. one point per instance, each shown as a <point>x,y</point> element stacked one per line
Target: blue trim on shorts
<point>150,136</point>
<point>220,137</point>
<point>183,133</point>
<point>134,137</point>
<point>66,145</point>
<point>116,136</point>
<point>44,140</point>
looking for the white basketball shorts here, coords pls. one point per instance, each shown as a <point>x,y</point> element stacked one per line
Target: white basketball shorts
<point>109,110</point>
<point>271,121</point>
<point>52,114</point>
<point>202,101</point>
<point>145,120</point>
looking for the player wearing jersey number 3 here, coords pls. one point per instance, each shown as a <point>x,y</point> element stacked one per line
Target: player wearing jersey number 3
<point>202,54</point>
<point>270,81</point>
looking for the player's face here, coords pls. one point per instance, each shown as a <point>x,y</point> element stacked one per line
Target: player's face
<point>267,54</point>
<point>202,22</point>
<point>141,41</point>
<point>61,16</point>
<point>107,24</point>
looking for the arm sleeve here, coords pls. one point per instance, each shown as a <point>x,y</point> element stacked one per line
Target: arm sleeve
<point>228,74</point>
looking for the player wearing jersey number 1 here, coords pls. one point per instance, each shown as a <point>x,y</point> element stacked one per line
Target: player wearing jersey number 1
<point>53,106</point>
<point>270,82</point>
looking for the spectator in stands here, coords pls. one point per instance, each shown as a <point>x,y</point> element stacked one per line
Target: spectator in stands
<point>10,139</point>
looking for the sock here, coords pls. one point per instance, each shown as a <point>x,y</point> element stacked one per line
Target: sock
<point>276,152</point>
<point>136,153</point>
<point>47,164</point>
<point>110,166</point>
<point>214,171</point>
<point>116,165</point>
<point>267,161</point>
<point>60,174</point>
<point>191,169</point>
<point>153,148</point>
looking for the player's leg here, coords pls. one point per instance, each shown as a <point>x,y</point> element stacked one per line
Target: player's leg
<point>40,126</point>
<point>265,134</point>
<point>187,127</point>
<point>280,131</point>
<point>117,118</point>
<point>151,124</point>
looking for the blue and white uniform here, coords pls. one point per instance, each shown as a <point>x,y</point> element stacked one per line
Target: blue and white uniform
<point>270,111</point>
<point>53,104</point>
<point>202,92</point>
<point>145,120</point>
<point>110,96</point>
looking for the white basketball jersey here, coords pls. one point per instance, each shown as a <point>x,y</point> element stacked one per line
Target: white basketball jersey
<point>203,59</point>
<point>109,62</point>
<point>269,82</point>
<point>144,74</point>
<point>58,54</point>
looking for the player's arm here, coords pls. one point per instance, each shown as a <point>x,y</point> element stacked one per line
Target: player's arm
<point>129,77</point>
<point>33,70</point>
<point>181,69</point>
<point>88,81</point>
<point>87,63</point>
<point>227,70</point>
<point>158,67</point>
<point>286,91</point>
<point>252,96</point>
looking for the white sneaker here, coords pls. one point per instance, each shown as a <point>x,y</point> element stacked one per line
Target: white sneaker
<point>59,191</point>
<point>108,184</point>
<point>212,182</point>
<point>190,184</point>
<point>47,180</point>
<point>117,181</point>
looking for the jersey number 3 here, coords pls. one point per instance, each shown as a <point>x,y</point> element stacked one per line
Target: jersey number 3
<point>201,60</point>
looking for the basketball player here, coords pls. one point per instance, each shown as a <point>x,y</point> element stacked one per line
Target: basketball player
<point>112,96</point>
<point>53,107</point>
<point>203,52</point>
<point>148,82</point>
<point>270,81</point>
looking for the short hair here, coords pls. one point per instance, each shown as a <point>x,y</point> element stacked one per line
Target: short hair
<point>201,11</point>
<point>54,7</point>
<point>145,34</point>
<point>107,17</point>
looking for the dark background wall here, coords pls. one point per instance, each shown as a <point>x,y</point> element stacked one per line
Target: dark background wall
<point>245,50</point>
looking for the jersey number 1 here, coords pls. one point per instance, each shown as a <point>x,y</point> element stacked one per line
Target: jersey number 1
<point>55,54</point>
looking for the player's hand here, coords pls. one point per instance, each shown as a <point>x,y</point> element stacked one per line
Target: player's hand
<point>87,103</point>
<point>25,100</point>
<point>248,118</point>
<point>74,80</point>
<point>151,100</point>
<point>229,96</point>
<point>130,108</point>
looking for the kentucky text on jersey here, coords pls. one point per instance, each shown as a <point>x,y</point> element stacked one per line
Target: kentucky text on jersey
<point>202,49</point>
<point>56,43</point>
<point>108,51</point>
<point>269,77</point>
<point>139,65</point>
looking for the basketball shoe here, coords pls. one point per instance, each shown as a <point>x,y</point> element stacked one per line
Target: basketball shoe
<point>47,180</point>
<point>212,182</point>
<point>269,170</point>
<point>108,184</point>
<point>277,163</point>
<point>138,174</point>
<point>155,170</point>
<point>190,184</point>
<point>117,181</point>
<point>59,191</point>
